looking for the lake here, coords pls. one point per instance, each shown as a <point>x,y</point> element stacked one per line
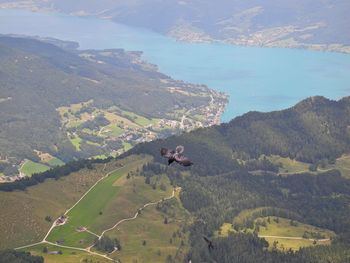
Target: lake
<point>255,78</point>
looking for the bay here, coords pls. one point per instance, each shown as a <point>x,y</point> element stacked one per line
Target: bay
<point>255,78</point>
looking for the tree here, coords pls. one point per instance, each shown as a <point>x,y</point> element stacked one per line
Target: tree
<point>313,167</point>
<point>163,187</point>
<point>106,244</point>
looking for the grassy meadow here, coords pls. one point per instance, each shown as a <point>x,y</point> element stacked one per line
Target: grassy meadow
<point>55,162</point>
<point>289,166</point>
<point>67,256</point>
<point>284,229</point>
<point>24,221</point>
<point>149,239</point>
<point>92,210</point>
<point>29,168</point>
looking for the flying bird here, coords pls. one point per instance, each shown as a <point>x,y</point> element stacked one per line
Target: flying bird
<point>176,156</point>
<point>209,242</point>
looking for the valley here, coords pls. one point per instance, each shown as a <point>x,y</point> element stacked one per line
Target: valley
<point>90,110</point>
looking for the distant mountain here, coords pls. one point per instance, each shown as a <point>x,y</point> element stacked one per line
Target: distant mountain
<point>314,129</point>
<point>320,24</point>
<point>69,104</point>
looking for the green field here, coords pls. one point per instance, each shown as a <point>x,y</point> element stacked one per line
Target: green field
<point>225,230</point>
<point>55,162</point>
<point>93,143</point>
<point>248,214</point>
<point>127,146</point>
<point>24,221</point>
<point>102,157</point>
<point>284,229</point>
<point>282,232</point>
<point>76,142</point>
<point>289,166</point>
<point>113,130</point>
<point>140,120</point>
<point>68,255</point>
<point>160,238</point>
<point>93,211</point>
<point>29,168</point>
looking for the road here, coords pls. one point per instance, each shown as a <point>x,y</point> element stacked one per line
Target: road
<point>296,238</point>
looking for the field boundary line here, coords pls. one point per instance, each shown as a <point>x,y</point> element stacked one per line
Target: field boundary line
<point>31,245</point>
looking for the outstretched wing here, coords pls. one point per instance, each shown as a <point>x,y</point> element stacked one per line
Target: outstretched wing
<point>179,149</point>
<point>209,242</point>
<point>206,239</point>
<point>182,160</point>
<point>167,153</point>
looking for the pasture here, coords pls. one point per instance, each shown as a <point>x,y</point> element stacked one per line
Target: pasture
<point>55,162</point>
<point>67,256</point>
<point>24,221</point>
<point>76,140</point>
<point>281,230</point>
<point>289,166</point>
<point>140,120</point>
<point>29,168</point>
<point>114,198</point>
<point>149,239</point>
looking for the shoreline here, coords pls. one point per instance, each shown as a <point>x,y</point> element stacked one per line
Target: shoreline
<point>191,36</point>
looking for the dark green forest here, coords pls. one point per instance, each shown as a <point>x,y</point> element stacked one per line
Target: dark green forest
<point>12,256</point>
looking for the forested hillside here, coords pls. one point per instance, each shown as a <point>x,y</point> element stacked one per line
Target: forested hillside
<point>234,182</point>
<point>67,103</point>
<point>295,23</point>
<point>312,130</point>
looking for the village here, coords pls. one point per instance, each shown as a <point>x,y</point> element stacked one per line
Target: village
<point>111,132</point>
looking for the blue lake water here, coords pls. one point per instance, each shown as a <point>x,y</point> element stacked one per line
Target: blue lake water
<point>262,79</point>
